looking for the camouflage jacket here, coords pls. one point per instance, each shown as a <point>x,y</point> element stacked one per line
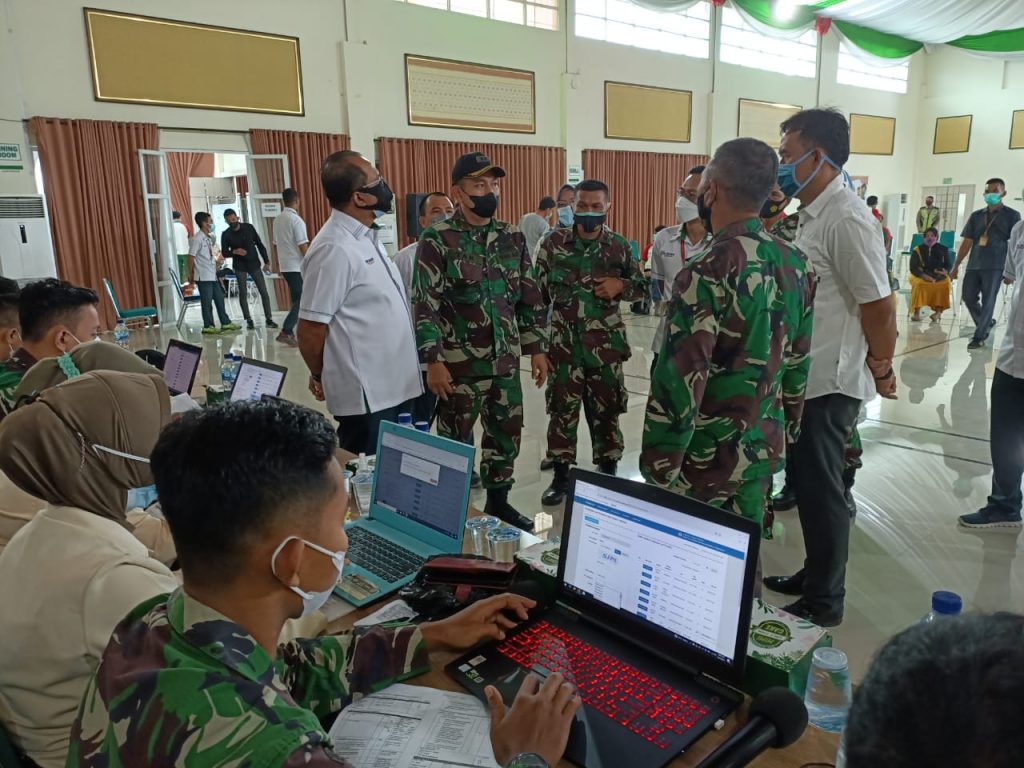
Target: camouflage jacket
<point>476,305</point>
<point>12,371</point>
<point>583,325</point>
<point>730,379</point>
<point>786,227</point>
<point>182,685</point>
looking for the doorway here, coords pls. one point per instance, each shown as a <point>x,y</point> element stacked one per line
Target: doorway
<point>956,202</point>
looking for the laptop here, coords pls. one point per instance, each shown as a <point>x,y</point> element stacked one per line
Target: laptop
<point>256,378</point>
<point>417,510</point>
<point>650,622</point>
<point>180,365</point>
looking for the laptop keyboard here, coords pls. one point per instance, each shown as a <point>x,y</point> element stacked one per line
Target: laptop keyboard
<point>384,559</point>
<point>633,699</point>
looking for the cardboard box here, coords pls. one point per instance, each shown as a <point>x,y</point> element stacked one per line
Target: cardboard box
<point>780,649</point>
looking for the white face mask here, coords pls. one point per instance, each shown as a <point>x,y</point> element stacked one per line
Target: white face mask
<point>686,210</point>
<point>311,601</point>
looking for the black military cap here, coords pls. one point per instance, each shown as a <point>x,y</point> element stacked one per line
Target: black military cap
<point>474,164</point>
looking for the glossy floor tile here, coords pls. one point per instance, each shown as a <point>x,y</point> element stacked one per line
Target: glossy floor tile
<point>926,460</point>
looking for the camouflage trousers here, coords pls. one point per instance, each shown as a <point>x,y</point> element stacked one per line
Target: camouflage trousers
<point>604,390</point>
<point>498,402</point>
<point>854,450</point>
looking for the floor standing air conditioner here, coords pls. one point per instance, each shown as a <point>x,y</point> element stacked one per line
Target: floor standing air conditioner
<point>26,250</point>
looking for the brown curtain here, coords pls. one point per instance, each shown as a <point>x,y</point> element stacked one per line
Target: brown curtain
<point>643,187</point>
<point>306,152</point>
<point>94,193</point>
<point>418,165</point>
<point>182,166</point>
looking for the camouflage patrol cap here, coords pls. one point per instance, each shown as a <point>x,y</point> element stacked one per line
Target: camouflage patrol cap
<point>474,164</point>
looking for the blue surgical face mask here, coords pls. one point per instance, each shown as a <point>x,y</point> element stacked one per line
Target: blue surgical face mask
<point>141,498</point>
<point>993,198</point>
<point>565,216</point>
<point>311,601</point>
<point>787,174</point>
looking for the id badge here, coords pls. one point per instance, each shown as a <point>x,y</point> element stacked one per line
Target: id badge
<point>983,241</point>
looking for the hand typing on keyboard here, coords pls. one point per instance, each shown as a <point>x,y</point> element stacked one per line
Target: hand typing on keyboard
<point>482,621</point>
<point>538,720</point>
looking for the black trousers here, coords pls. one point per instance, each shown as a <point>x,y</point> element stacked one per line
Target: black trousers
<point>243,291</point>
<point>422,408</point>
<point>815,469</point>
<point>358,434</point>
<point>294,280</point>
<point>981,290</point>
<point>1007,442</point>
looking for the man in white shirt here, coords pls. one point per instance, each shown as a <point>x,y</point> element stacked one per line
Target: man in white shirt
<point>291,240</point>
<point>355,329</point>
<point>537,224</point>
<point>181,240</point>
<point>1007,419</point>
<point>851,349</point>
<point>203,265</point>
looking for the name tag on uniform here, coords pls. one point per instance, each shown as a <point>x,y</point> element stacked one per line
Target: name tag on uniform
<point>983,241</point>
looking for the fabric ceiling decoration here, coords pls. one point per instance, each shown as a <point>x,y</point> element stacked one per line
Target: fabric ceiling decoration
<point>668,6</point>
<point>879,44</point>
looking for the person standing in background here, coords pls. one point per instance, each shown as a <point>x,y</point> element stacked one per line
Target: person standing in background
<point>291,240</point>
<point>537,224</point>
<point>565,201</point>
<point>203,272</point>
<point>242,243</point>
<point>1007,418</point>
<point>851,350</point>
<point>181,243</point>
<point>928,216</point>
<point>478,310</point>
<point>985,238</point>
<point>583,274</point>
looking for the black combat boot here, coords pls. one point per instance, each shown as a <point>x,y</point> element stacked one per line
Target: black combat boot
<point>608,467</point>
<point>555,494</point>
<point>498,506</point>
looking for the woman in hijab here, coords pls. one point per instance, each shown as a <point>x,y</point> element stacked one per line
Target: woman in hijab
<point>73,572</point>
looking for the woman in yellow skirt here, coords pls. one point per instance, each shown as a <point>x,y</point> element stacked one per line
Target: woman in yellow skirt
<point>929,283</point>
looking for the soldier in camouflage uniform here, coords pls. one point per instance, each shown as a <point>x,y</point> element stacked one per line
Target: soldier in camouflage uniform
<point>784,227</point>
<point>185,684</point>
<point>729,384</point>
<point>477,310</point>
<point>583,272</point>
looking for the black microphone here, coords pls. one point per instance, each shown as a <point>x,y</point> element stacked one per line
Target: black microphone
<point>777,718</point>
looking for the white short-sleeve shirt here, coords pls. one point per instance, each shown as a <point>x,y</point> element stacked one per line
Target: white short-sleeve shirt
<point>1011,352</point>
<point>671,249</point>
<point>840,237</point>
<point>180,238</point>
<point>351,285</point>
<point>289,234</point>
<point>201,250</point>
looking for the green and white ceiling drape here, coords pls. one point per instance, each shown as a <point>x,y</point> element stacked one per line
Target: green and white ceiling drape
<point>889,30</point>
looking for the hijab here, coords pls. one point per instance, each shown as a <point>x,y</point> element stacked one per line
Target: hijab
<point>50,448</point>
<point>88,356</point>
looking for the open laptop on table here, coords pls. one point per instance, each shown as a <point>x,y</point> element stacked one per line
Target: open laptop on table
<point>417,509</point>
<point>180,365</point>
<point>256,378</point>
<point>650,622</point>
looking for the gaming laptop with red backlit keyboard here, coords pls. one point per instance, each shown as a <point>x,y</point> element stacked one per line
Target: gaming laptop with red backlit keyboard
<point>650,622</point>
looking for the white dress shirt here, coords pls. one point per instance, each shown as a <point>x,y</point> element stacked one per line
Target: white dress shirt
<point>1011,353</point>
<point>66,579</point>
<point>352,287</point>
<point>671,249</point>
<point>180,238</point>
<point>289,234</point>
<point>840,237</point>
<point>201,250</point>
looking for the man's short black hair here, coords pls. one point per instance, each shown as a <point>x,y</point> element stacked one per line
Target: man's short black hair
<point>201,217</point>
<point>949,692</point>
<point>658,228</point>
<point>933,230</point>
<point>7,285</point>
<point>745,171</point>
<point>8,310</point>
<point>593,185</point>
<point>341,177</point>
<point>175,215</point>
<point>227,474</point>
<point>872,200</point>
<point>546,203</point>
<point>230,212</point>
<point>426,199</point>
<point>996,180</point>
<point>45,303</point>
<point>565,187</point>
<point>696,169</point>
<point>289,195</point>
<point>824,128</point>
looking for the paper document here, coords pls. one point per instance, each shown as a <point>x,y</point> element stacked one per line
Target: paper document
<point>399,610</point>
<point>407,726</point>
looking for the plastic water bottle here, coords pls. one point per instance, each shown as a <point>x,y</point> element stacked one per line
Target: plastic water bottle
<point>227,371</point>
<point>944,605</point>
<point>405,419</point>
<point>121,334</point>
<point>236,364</point>
<point>362,485</point>
<point>829,693</point>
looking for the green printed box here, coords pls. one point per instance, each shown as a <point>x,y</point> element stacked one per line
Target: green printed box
<point>780,648</point>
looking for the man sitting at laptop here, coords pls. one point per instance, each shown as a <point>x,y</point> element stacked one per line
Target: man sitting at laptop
<point>197,676</point>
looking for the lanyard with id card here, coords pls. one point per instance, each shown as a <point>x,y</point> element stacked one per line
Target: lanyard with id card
<point>983,240</point>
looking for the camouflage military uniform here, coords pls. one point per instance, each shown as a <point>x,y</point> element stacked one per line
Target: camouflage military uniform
<point>478,311</point>
<point>12,371</point>
<point>729,385</point>
<point>587,339</point>
<point>182,685</point>
<point>785,229</point>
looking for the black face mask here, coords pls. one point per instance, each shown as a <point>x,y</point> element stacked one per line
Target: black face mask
<point>704,211</point>
<point>484,206</point>
<point>385,197</point>
<point>588,222</point>
<point>772,208</point>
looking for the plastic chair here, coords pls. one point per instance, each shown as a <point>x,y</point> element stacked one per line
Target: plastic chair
<point>948,238</point>
<point>129,315</point>
<point>186,301</point>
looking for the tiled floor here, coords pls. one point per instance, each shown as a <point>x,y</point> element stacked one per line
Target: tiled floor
<point>926,460</point>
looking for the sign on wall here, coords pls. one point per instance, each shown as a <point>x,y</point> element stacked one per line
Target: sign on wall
<point>270,210</point>
<point>10,157</point>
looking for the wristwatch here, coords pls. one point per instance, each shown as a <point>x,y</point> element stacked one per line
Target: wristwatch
<point>527,760</point>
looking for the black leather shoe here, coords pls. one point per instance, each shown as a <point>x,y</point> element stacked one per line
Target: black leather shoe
<point>498,506</point>
<point>546,464</point>
<point>271,324</point>
<point>822,617</point>
<point>784,500</point>
<point>555,493</point>
<point>786,585</point>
